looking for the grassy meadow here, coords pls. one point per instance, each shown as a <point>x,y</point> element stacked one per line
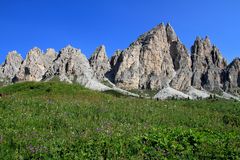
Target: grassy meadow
<point>54,120</point>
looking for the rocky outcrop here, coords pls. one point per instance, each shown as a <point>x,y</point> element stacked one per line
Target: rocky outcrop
<point>1,74</point>
<point>146,63</point>
<point>156,60</point>
<point>73,67</point>
<point>115,62</point>
<point>50,56</point>
<point>115,59</point>
<point>207,66</point>
<point>11,66</point>
<point>35,65</point>
<point>181,61</point>
<point>232,77</point>
<point>100,63</point>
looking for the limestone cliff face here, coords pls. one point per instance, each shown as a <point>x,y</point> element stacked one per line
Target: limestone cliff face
<point>35,65</point>
<point>100,63</point>
<point>156,60</point>
<point>152,62</point>
<point>232,77</point>
<point>11,66</point>
<point>207,65</point>
<point>73,67</point>
<point>147,63</point>
<point>181,62</point>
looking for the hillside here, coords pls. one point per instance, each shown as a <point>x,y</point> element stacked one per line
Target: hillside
<point>55,120</point>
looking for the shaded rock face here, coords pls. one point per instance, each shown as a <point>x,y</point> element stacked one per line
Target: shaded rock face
<point>182,66</point>
<point>181,61</point>
<point>115,62</point>
<point>207,65</point>
<point>99,63</point>
<point>232,77</point>
<point>148,62</point>
<point>35,65</point>
<point>11,66</point>
<point>115,58</point>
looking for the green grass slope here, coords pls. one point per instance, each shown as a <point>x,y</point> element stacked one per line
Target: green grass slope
<point>54,120</point>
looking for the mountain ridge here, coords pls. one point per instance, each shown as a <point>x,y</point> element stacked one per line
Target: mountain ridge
<point>155,61</point>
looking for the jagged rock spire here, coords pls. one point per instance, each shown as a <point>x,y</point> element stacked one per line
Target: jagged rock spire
<point>156,60</point>
<point>232,77</point>
<point>207,65</point>
<point>34,66</point>
<point>115,58</point>
<point>72,66</point>
<point>11,66</point>
<point>146,63</point>
<point>171,35</point>
<point>100,63</point>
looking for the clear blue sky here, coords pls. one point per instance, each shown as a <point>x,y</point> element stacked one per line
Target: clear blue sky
<point>87,24</point>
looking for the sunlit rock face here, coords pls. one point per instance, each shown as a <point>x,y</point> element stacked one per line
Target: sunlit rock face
<point>35,65</point>
<point>157,60</point>
<point>73,67</point>
<point>11,66</point>
<point>152,62</point>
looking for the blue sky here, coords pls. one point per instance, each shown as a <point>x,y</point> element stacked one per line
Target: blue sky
<point>86,24</point>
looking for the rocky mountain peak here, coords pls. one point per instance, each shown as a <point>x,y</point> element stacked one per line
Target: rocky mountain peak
<point>232,77</point>
<point>12,64</point>
<point>157,60</point>
<point>147,63</point>
<point>171,35</point>
<point>236,61</point>
<point>115,58</point>
<point>207,42</point>
<point>13,55</point>
<point>33,67</point>
<point>34,53</point>
<point>51,52</point>
<point>72,66</point>
<point>68,51</point>
<point>207,65</point>
<point>99,62</point>
<point>99,54</point>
